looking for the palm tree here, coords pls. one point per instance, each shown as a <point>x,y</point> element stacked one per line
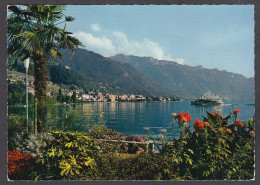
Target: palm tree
<point>33,31</point>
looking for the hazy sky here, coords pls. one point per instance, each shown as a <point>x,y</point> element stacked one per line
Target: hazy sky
<point>214,36</point>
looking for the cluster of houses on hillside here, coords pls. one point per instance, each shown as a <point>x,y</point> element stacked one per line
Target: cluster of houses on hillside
<point>92,96</point>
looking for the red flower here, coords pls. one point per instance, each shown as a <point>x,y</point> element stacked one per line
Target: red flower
<point>238,123</point>
<point>236,111</point>
<point>214,114</point>
<point>179,116</point>
<point>19,164</point>
<point>198,125</point>
<point>183,117</point>
<point>188,117</point>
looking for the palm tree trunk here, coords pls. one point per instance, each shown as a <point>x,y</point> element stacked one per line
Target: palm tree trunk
<point>40,84</point>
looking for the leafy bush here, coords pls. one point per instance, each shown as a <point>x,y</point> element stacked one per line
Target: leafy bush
<point>218,149</point>
<point>35,144</point>
<point>15,95</point>
<point>19,165</point>
<point>136,147</point>
<point>70,118</point>
<point>102,132</point>
<point>149,167</point>
<point>69,156</point>
<point>223,150</point>
<point>16,124</point>
<point>108,139</point>
<point>143,166</point>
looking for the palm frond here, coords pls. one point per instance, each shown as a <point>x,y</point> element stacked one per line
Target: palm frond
<point>70,42</point>
<point>69,19</point>
<point>25,34</point>
<point>33,31</point>
<point>56,54</point>
<point>57,8</point>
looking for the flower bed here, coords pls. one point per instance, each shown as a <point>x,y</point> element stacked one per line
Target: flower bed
<point>220,147</point>
<point>19,165</point>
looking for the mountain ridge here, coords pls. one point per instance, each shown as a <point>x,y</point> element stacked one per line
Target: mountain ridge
<point>160,62</point>
<point>192,81</point>
<point>121,77</point>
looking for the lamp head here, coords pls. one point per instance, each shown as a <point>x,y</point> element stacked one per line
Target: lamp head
<point>26,63</point>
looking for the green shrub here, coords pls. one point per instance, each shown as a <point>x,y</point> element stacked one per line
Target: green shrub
<point>16,125</point>
<point>136,147</point>
<point>149,167</point>
<point>223,150</point>
<point>143,166</point>
<point>35,144</point>
<point>69,156</point>
<point>108,139</point>
<point>218,149</point>
<point>71,118</point>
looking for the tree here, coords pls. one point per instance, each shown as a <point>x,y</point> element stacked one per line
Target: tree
<point>15,95</point>
<point>67,99</point>
<point>33,31</point>
<point>59,97</point>
<point>73,97</point>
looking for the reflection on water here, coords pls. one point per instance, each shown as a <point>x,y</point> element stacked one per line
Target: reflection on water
<point>133,117</point>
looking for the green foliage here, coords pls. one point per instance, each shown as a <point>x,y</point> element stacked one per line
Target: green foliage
<point>73,97</point>
<point>102,137</point>
<point>144,166</point>
<point>33,31</point>
<point>62,98</point>
<point>16,94</point>
<point>69,156</point>
<point>20,68</point>
<point>100,132</point>
<point>59,74</point>
<point>71,117</point>
<point>16,125</point>
<point>219,150</point>
<point>136,147</point>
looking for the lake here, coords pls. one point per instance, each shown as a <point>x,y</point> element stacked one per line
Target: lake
<point>132,117</point>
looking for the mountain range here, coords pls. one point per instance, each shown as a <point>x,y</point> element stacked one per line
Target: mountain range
<point>124,74</point>
<point>192,81</point>
<point>122,78</point>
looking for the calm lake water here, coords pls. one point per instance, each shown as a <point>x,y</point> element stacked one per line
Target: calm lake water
<point>132,117</point>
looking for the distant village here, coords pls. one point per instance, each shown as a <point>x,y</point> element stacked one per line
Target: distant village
<point>92,95</point>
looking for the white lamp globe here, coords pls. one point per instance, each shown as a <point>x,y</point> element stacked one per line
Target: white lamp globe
<point>26,63</point>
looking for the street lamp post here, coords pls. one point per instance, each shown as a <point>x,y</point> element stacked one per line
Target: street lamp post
<point>26,65</point>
